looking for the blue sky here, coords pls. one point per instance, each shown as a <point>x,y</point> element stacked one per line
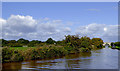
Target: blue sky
<point>80,14</point>
<point>75,12</point>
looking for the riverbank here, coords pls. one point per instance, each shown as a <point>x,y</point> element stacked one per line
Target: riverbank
<point>33,50</point>
<point>15,55</point>
<point>116,47</point>
<point>99,59</point>
<point>10,54</point>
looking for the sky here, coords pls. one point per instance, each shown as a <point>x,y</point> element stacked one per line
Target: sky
<point>42,20</point>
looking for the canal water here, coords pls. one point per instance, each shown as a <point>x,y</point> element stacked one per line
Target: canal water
<point>105,58</point>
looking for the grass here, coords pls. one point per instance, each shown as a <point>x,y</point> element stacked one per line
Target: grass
<point>117,46</point>
<point>21,48</point>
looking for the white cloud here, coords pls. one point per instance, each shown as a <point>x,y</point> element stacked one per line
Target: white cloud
<point>17,26</point>
<point>23,24</point>
<point>2,21</point>
<point>106,32</point>
<point>67,29</point>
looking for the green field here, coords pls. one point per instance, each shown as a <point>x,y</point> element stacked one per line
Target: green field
<point>21,48</point>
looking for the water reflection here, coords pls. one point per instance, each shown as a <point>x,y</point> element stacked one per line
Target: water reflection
<point>14,65</point>
<point>74,61</point>
<point>98,59</point>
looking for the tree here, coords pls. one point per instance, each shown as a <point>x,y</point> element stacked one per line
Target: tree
<point>33,43</point>
<point>117,43</point>
<point>97,42</point>
<point>50,41</point>
<point>4,42</point>
<point>23,41</point>
<point>85,42</point>
<point>72,41</point>
<point>112,43</point>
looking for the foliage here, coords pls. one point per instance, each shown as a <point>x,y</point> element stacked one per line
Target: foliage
<point>11,55</point>
<point>85,42</point>
<point>117,43</point>
<point>50,41</point>
<point>97,42</point>
<point>112,43</point>
<point>23,41</point>
<point>72,41</point>
<point>14,51</point>
<point>76,42</point>
<point>33,43</point>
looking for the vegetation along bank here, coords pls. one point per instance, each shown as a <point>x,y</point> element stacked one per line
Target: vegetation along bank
<point>20,50</point>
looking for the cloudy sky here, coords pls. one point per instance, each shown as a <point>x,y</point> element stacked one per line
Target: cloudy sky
<point>31,20</point>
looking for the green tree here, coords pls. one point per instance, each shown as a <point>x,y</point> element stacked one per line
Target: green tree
<point>117,43</point>
<point>4,42</point>
<point>112,43</point>
<point>23,41</point>
<point>34,43</point>
<point>85,42</point>
<point>72,41</point>
<point>97,42</point>
<point>50,41</point>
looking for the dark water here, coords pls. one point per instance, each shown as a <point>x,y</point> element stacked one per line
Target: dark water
<point>98,59</point>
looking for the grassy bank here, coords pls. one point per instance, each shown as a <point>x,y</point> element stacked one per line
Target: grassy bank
<point>116,47</point>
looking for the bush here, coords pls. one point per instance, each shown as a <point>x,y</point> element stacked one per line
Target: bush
<point>82,49</point>
<point>6,55</point>
<point>9,55</point>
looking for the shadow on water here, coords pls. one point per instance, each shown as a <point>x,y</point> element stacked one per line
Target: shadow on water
<point>105,58</point>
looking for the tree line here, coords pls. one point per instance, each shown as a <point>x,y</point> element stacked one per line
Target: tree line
<point>69,41</point>
<point>23,42</point>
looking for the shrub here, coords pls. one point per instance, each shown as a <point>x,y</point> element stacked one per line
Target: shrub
<point>6,55</point>
<point>9,55</point>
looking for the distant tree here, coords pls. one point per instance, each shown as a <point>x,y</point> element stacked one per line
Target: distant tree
<point>34,43</point>
<point>12,41</point>
<point>3,42</point>
<point>23,41</point>
<point>50,41</point>
<point>117,43</point>
<point>60,42</point>
<point>112,43</point>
